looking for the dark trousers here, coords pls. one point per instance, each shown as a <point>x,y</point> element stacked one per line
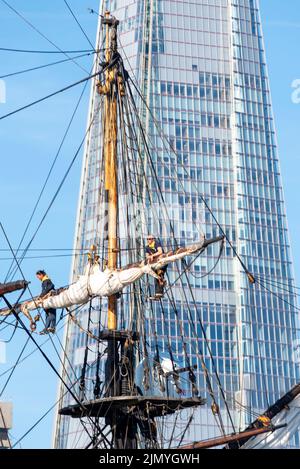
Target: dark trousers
<point>159,289</point>
<point>50,318</point>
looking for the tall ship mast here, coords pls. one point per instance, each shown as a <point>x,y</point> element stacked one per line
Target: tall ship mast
<point>129,410</point>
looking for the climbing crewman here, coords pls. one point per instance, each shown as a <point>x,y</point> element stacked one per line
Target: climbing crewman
<point>154,251</point>
<point>47,286</point>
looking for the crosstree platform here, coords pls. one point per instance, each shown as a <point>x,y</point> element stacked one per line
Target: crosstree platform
<point>152,406</point>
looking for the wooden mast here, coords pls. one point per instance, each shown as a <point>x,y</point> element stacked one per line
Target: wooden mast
<point>124,410</point>
<point>110,155</point>
<point>224,440</point>
<point>110,91</point>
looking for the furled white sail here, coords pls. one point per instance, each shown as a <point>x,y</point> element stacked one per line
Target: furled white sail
<point>289,416</point>
<point>97,283</point>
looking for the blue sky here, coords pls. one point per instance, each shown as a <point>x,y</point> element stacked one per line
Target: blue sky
<point>29,141</point>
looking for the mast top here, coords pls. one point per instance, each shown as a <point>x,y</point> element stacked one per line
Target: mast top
<point>109,20</point>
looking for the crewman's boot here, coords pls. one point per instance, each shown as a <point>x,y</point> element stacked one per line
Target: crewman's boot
<point>159,287</point>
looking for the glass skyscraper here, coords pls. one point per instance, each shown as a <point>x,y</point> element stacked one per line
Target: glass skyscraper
<point>201,66</point>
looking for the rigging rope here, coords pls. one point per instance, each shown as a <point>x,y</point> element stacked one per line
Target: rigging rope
<point>44,415</point>
<point>153,169</point>
<point>79,25</point>
<point>28,340</point>
<point>261,284</point>
<point>15,327</point>
<point>172,230</point>
<point>51,170</point>
<point>66,88</point>
<point>200,354</point>
<point>85,359</point>
<point>97,381</point>
<point>265,278</point>
<point>27,356</point>
<point>39,67</point>
<point>250,276</point>
<point>188,266</point>
<point>165,138</point>
<point>14,366</point>
<point>148,154</point>
<point>28,51</point>
<point>53,256</point>
<point>33,339</point>
<point>43,354</point>
<point>39,32</point>
<point>279,286</point>
<point>59,187</point>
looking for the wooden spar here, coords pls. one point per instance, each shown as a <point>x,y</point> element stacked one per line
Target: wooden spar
<point>12,286</point>
<point>230,438</point>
